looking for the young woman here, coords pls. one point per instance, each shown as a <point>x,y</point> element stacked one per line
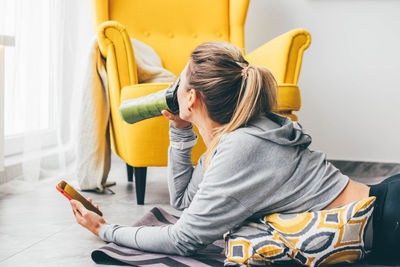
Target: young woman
<point>256,163</point>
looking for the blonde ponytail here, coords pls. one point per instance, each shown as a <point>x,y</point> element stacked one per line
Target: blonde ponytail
<point>233,91</point>
<point>248,104</point>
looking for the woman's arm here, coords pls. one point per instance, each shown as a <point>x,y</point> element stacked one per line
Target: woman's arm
<point>213,211</point>
<point>193,231</point>
<point>183,178</point>
<point>223,201</point>
<point>205,221</point>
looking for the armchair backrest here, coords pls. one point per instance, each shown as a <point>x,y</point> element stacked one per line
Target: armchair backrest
<point>174,28</point>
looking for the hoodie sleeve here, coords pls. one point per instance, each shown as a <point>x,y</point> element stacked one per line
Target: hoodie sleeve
<point>183,178</point>
<point>213,211</point>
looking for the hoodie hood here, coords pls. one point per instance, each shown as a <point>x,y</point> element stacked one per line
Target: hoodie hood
<point>278,129</point>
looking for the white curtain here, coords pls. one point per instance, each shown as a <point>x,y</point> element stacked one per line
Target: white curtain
<point>52,38</point>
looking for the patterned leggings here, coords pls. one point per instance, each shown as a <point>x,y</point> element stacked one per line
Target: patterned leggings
<point>386,220</point>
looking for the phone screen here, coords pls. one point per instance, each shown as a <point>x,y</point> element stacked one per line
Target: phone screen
<point>71,193</point>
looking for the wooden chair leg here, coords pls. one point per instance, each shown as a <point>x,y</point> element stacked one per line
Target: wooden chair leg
<point>140,183</point>
<point>129,170</point>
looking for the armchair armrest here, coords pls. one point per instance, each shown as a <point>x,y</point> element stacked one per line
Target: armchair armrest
<point>282,55</point>
<point>288,96</point>
<point>138,90</point>
<point>289,99</point>
<point>115,45</point>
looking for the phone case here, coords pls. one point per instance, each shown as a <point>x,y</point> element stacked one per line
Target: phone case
<point>70,193</point>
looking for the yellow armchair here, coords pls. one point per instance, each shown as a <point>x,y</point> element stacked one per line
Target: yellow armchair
<point>173,29</point>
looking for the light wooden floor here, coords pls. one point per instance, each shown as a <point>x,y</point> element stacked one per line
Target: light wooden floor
<point>37,228</point>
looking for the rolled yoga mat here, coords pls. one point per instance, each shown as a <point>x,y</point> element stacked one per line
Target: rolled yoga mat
<point>212,255</point>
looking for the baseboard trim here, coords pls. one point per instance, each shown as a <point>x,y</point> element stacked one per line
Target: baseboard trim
<point>358,170</point>
<point>368,172</point>
<point>13,167</point>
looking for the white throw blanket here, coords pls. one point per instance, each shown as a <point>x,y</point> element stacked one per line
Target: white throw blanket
<point>92,147</point>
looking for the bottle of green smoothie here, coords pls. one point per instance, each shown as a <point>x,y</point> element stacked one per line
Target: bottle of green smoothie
<point>149,106</point>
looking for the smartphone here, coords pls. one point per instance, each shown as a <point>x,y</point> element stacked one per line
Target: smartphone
<point>70,193</point>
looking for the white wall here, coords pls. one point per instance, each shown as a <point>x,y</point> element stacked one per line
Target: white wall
<point>349,77</point>
<point>1,107</point>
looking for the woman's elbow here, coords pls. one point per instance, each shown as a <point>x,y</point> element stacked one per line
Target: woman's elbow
<point>186,253</point>
<point>185,244</point>
<point>186,249</point>
<point>178,204</point>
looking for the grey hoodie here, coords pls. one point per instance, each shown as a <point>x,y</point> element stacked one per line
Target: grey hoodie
<point>262,168</point>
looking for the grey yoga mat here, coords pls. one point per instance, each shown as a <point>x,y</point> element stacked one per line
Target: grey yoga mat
<point>212,255</point>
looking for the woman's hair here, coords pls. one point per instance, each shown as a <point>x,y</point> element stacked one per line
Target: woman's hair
<point>233,91</point>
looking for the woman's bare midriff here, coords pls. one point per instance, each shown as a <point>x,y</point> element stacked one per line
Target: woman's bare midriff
<point>352,192</point>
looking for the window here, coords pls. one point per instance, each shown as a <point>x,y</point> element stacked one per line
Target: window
<point>29,101</point>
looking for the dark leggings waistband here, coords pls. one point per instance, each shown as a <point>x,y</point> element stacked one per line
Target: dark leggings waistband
<point>386,220</point>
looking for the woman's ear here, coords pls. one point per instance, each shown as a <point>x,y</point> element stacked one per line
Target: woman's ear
<point>193,98</point>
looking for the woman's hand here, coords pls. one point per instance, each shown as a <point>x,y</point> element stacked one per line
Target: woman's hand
<point>88,219</point>
<point>175,119</point>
